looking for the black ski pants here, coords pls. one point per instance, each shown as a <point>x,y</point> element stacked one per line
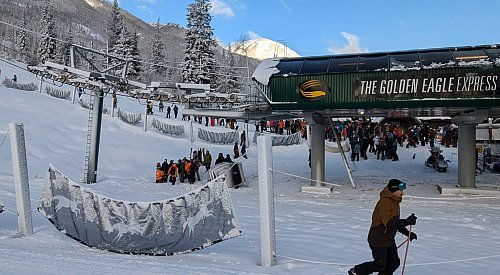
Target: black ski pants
<point>385,261</point>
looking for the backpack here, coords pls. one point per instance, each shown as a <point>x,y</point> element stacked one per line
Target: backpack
<point>172,170</point>
<point>383,144</point>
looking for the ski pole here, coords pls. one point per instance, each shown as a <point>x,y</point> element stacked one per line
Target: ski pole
<point>406,253</point>
<point>402,243</point>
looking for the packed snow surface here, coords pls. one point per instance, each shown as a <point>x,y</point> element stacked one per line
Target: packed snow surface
<point>315,233</point>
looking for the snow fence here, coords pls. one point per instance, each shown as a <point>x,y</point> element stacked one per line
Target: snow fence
<point>190,222</point>
<point>281,140</point>
<point>216,137</point>
<point>173,130</point>
<point>129,118</point>
<point>87,105</point>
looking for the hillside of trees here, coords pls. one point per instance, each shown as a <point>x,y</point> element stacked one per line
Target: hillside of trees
<point>86,23</point>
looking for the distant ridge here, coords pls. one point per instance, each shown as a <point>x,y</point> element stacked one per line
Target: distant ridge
<point>262,48</point>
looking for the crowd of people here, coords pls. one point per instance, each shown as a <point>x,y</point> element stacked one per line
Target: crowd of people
<point>383,140</point>
<point>184,169</point>
<point>282,126</point>
<point>189,168</point>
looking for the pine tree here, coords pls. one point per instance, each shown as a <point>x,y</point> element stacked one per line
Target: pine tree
<point>47,42</point>
<point>227,81</point>
<point>135,68</point>
<point>64,51</point>
<point>127,47</point>
<point>157,55</point>
<point>115,25</point>
<point>121,47</point>
<point>199,56</point>
<point>23,41</point>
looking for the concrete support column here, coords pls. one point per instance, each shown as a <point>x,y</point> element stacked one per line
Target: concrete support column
<point>21,179</point>
<point>317,154</point>
<point>266,201</point>
<point>467,155</point>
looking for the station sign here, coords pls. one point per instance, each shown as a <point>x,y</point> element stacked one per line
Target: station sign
<point>428,86</point>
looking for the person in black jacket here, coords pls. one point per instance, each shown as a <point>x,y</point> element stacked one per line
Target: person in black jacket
<point>176,110</point>
<point>385,224</point>
<point>219,159</point>
<point>165,166</point>
<point>228,159</point>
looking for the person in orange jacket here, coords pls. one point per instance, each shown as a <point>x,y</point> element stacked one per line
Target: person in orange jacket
<point>160,175</point>
<point>189,171</point>
<point>173,172</point>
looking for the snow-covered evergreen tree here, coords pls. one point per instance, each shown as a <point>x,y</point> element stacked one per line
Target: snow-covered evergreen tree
<point>121,47</point>
<point>135,68</point>
<point>199,57</point>
<point>64,51</point>
<point>157,55</point>
<point>227,80</point>
<point>127,47</point>
<point>115,25</point>
<point>22,46</point>
<point>47,41</point>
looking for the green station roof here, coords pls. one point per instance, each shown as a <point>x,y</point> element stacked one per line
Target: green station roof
<point>428,82</point>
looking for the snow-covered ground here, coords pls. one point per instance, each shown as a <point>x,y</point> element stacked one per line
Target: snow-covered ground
<point>315,233</point>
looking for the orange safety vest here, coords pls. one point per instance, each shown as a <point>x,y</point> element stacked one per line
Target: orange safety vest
<point>159,174</point>
<point>188,167</point>
<point>173,170</point>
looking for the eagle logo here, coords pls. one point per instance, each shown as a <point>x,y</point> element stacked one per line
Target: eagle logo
<point>313,89</point>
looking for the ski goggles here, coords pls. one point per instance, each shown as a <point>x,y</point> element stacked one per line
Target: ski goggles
<point>402,185</point>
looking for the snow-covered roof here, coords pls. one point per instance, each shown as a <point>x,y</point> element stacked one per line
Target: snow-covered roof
<point>473,56</point>
<point>265,70</point>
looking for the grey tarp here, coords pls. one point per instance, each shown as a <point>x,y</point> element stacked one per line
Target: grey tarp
<point>281,140</point>
<point>129,118</point>
<point>333,147</point>
<point>175,130</point>
<point>193,221</point>
<point>216,137</point>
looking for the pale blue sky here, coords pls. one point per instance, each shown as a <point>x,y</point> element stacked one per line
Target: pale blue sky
<point>323,27</point>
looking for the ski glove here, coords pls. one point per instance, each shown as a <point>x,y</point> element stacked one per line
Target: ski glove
<point>405,232</point>
<point>413,236</point>
<point>411,220</point>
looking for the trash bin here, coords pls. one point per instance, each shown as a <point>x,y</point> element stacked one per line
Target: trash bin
<point>234,177</point>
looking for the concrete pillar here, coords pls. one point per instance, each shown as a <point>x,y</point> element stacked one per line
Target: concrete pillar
<point>21,179</point>
<point>467,155</point>
<point>266,201</point>
<point>317,154</point>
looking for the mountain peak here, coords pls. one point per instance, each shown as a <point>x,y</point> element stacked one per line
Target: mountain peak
<point>262,48</point>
